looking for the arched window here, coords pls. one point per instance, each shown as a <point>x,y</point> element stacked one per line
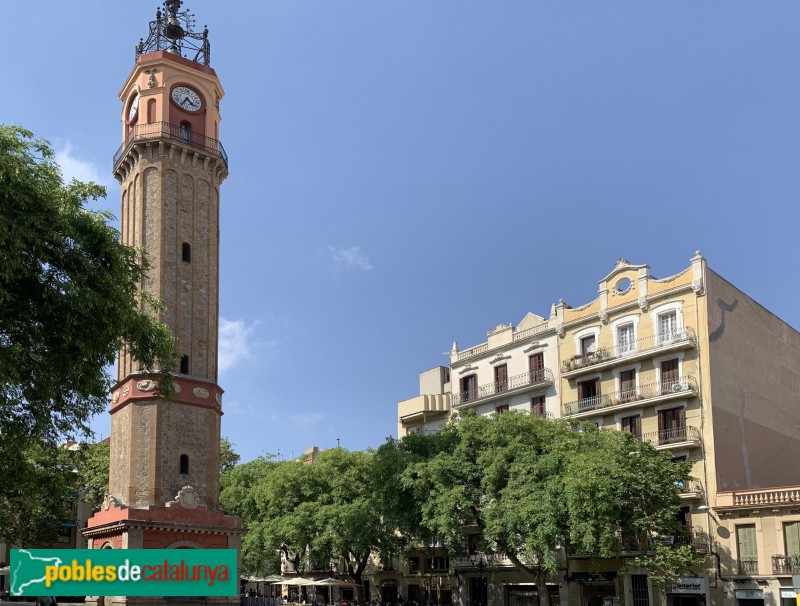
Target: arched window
<point>186,253</point>
<point>184,464</point>
<point>184,365</point>
<point>151,111</point>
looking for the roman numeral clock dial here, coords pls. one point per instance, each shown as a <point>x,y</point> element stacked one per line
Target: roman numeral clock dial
<point>187,98</point>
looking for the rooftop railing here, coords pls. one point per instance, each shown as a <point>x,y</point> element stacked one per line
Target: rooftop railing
<point>767,497</point>
<point>518,336</point>
<point>628,349</point>
<point>543,375</point>
<point>684,386</point>
<point>171,132</point>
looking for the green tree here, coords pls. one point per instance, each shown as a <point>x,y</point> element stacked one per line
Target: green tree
<point>70,299</point>
<point>228,457</point>
<point>42,495</point>
<point>92,462</point>
<point>311,513</point>
<point>531,489</point>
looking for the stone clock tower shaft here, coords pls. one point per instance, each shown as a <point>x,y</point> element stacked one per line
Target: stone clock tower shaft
<point>170,166</point>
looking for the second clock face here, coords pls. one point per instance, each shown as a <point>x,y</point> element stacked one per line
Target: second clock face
<point>134,109</point>
<point>187,98</point>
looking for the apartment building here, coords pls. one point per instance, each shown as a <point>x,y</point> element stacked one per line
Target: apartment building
<point>756,537</point>
<point>688,363</point>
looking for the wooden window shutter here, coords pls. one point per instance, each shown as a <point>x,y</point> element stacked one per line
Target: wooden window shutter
<point>791,533</point>
<point>746,540</point>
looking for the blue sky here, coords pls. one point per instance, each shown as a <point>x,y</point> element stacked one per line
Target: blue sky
<point>406,173</point>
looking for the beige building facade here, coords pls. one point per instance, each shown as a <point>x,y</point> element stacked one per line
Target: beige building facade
<point>688,363</point>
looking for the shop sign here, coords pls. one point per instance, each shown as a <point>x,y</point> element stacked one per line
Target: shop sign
<point>695,585</point>
<point>788,593</point>
<point>749,594</point>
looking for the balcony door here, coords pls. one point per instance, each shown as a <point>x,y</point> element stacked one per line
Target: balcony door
<point>633,425</point>
<point>478,591</point>
<point>627,384</point>
<point>669,375</point>
<point>501,377</point>
<point>671,425</point>
<point>536,367</point>
<point>469,387</point>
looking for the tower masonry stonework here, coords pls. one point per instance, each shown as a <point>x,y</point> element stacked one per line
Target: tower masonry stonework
<point>165,442</point>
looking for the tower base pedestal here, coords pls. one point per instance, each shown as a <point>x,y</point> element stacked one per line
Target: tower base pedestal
<point>179,525</point>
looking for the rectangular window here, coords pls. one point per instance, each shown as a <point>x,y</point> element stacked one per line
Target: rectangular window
<point>469,387</point>
<point>413,565</point>
<point>633,425</point>
<point>746,549</point>
<point>588,345</point>
<point>537,406</point>
<point>501,409</point>
<point>671,425</point>
<point>438,563</point>
<point>536,367</point>
<point>625,342</point>
<point>640,590</point>
<point>669,375</point>
<point>791,536</point>
<point>501,377</point>
<point>627,386</point>
<point>667,327</point>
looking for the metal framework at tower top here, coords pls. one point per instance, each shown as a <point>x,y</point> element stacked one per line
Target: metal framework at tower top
<point>173,31</point>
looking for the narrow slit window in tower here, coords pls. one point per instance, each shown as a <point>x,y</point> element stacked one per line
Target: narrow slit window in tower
<point>184,365</point>
<point>186,252</point>
<point>184,464</point>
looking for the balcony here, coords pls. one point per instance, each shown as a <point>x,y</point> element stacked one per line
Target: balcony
<point>606,357</point>
<point>787,565</point>
<point>642,395</point>
<point>690,489</point>
<point>694,537</point>
<point>515,384</point>
<point>482,561</point>
<point>748,566</point>
<point>680,437</point>
<point>171,132</point>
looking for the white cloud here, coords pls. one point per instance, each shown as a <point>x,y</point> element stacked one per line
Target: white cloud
<point>350,258</point>
<point>306,418</point>
<point>236,343</point>
<point>73,167</point>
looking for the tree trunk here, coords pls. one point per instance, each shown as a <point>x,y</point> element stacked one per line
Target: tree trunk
<point>541,587</point>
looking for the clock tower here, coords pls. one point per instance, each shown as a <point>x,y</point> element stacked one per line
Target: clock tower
<point>164,468</point>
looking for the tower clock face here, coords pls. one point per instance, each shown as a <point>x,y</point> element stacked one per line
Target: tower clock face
<point>134,109</point>
<point>187,98</point>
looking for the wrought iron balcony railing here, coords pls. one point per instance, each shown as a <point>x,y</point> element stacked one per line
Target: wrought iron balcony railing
<point>171,132</point>
<point>789,564</point>
<point>626,350</point>
<point>526,379</point>
<point>685,386</point>
<point>748,565</point>
<point>677,435</point>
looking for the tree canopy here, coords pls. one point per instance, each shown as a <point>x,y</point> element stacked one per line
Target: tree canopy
<point>536,490</point>
<point>511,485</point>
<point>70,299</point>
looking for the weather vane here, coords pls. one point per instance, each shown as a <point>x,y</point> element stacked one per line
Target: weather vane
<point>174,31</point>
